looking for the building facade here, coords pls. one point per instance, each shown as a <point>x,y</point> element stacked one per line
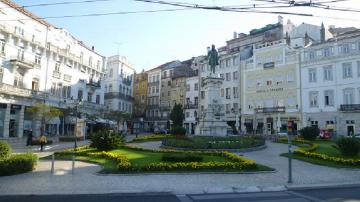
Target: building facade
<point>41,63</point>
<point>119,84</point>
<point>140,99</point>
<point>330,77</point>
<point>153,113</point>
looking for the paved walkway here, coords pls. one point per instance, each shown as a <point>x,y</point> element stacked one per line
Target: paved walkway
<point>85,179</point>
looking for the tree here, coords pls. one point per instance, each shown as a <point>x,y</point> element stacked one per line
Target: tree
<point>177,115</point>
<point>117,116</point>
<point>45,113</point>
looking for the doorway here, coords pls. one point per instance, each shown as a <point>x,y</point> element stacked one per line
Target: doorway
<point>350,130</point>
<point>12,128</point>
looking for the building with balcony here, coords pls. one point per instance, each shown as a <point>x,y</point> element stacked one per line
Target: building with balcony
<point>119,84</point>
<point>191,107</point>
<point>43,63</point>
<point>330,77</point>
<point>140,100</point>
<point>153,111</point>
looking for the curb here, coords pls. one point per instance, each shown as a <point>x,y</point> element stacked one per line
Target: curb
<point>321,186</point>
<point>184,173</point>
<point>251,149</point>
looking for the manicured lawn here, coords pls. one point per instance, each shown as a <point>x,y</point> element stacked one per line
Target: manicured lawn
<point>143,158</point>
<point>326,148</point>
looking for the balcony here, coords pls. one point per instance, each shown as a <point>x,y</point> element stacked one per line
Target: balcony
<point>56,74</point>
<point>114,95</point>
<point>350,107</point>
<point>22,62</point>
<point>22,92</point>
<point>191,106</point>
<point>94,85</point>
<point>269,109</point>
<point>92,106</point>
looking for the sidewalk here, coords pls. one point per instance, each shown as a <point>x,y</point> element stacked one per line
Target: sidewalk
<point>87,180</point>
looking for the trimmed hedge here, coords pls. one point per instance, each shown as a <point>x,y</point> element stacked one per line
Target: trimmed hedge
<point>348,146</point>
<point>19,163</point>
<point>181,157</point>
<point>106,140</point>
<point>37,142</point>
<point>5,150</point>
<point>153,137</point>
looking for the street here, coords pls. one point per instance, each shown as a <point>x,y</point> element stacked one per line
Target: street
<point>315,195</point>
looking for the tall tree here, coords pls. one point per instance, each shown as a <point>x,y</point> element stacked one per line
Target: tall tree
<point>45,113</point>
<point>117,116</point>
<point>177,115</point>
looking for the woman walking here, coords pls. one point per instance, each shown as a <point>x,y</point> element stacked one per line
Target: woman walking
<point>42,141</point>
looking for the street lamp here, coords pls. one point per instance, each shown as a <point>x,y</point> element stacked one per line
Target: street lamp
<point>76,103</point>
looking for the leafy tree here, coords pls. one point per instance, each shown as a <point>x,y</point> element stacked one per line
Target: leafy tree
<point>177,115</point>
<point>117,116</point>
<point>45,113</point>
<point>310,132</point>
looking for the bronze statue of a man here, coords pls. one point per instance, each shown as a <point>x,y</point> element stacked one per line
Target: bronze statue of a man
<point>213,58</point>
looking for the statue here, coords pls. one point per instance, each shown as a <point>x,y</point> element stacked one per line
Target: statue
<point>213,58</point>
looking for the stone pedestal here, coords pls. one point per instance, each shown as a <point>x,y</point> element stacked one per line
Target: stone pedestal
<point>212,120</point>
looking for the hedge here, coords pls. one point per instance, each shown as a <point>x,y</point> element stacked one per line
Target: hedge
<point>5,150</point>
<point>154,137</point>
<point>19,163</point>
<point>170,157</point>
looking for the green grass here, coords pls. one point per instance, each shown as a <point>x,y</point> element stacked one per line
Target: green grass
<point>325,147</point>
<point>141,158</point>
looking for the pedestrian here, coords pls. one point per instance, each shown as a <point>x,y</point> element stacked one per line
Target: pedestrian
<point>42,141</point>
<point>29,138</point>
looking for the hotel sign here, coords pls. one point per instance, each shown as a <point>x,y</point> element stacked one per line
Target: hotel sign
<point>269,65</point>
<point>270,109</point>
<point>270,90</point>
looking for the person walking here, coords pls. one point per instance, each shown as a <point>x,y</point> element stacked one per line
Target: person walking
<point>29,138</point>
<point>42,141</point>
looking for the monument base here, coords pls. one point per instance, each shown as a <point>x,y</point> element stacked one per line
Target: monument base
<point>212,128</point>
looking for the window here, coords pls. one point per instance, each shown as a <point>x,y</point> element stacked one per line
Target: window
<point>349,96</point>
<point>111,73</point>
<point>187,87</point>
<point>110,87</point>
<point>53,88</point>
<point>202,94</point>
<point>328,74</point>
<point>228,76</point>
<point>89,97</point>
<point>269,82</point>
<point>157,78</point>
<point>196,100</point>
<point>221,75</point>
<point>327,51</point>
<point>18,80</point>
<point>90,61</point>
<point>169,83</point>
<point>236,92</point>
<point>227,108</point>
<point>235,75</point>
<point>35,84</point>
<point>347,70</point>
<point>236,106</point>
<point>312,75</point>
<point>57,67</point>
<point>312,55</point>
<point>196,86</point>
<point>313,95</point>
<point>157,89</point>
<point>358,68</point>
<point>169,93</point>
<point>329,97</point>
<point>37,59</point>
<point>97,99</point>
<point>234,59</point>
<point>20,54</point>
<point>345,48</point>
<point>222,92</point>
<point>290,78</point>
<point>228,93</point>
<point>2,45</point>
<point>80,95</point>
<point>228,62</point>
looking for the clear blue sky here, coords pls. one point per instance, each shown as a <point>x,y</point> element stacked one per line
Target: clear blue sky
<point>150,39</point>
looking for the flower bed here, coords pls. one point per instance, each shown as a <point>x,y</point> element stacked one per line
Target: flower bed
<point>153,137</point>
<point>230,162</point>
<point>232,142</point>
<point>309,152</point>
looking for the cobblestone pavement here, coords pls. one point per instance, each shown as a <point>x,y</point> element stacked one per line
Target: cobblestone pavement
<point>86,180</point>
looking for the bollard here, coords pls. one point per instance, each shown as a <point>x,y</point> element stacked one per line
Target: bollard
<point>73,164</point>
<point>52,163</point>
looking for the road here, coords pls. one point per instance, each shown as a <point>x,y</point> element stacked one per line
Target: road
<point>311,195</point>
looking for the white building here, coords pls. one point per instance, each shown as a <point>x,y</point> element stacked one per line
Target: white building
<point>43,63</point>
<point>330,77</point>
<point>119,84</point>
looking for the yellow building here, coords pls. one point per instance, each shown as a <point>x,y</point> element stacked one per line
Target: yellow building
<point>271,88</point>
<point>140,95</point>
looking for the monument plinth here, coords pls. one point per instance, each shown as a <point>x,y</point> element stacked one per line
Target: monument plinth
<point>212,120</point>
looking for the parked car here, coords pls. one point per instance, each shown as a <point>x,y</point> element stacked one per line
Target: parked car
<point>325,134</point>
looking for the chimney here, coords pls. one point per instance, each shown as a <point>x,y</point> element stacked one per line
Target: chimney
<point>92,48</point>
<point>235,35</point>
<point>322,33</point>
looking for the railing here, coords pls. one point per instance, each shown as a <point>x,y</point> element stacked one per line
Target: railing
<point>56,74</point>
<point>21,61</point>
<point>269,109</point>
<point>91,105</point>
<point>191,106</point>
<point>94,84</point>
<point>112,95</point>
<point>22,92</point>
<point>350,107</point>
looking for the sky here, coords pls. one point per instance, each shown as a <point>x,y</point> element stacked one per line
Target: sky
<point>151,39</point>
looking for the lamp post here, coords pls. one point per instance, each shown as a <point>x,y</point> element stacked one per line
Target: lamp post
<point>76,103</point>
<point>290,134</point>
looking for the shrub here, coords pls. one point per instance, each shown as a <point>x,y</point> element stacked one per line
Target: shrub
<point>153,137</point>
<point>181,157</point>
<point>309,133</point>
<point>178,130</point>
<point>5,150</point>
<point>348,146</point>
<point>19,163</point>
<point>106,140</point>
